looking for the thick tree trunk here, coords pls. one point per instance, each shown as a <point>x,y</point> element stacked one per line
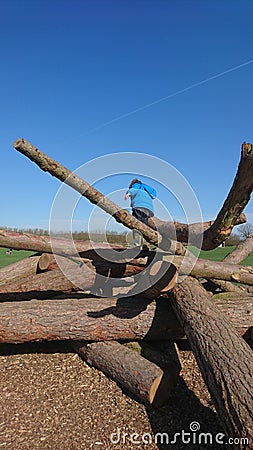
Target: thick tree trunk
<point>92,319</point>
<point>146,380</point>
<point>19,270</point>
<point>224,358</point>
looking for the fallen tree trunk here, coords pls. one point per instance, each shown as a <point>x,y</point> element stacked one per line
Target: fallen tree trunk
<point>224,358</point>
<point>146,380</point>
<point>16,271</point>
<point>91,319</point>
<point>33,242</point>
<point>96,319</point>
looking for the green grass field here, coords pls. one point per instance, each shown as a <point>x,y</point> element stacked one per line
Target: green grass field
<point>214,255</point>
<point>218,254</point>
<point>16,255</point>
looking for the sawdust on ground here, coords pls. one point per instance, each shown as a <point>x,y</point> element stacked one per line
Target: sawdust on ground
<point>51,399</point>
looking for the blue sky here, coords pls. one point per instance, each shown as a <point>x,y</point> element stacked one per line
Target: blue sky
<point>84,79</point>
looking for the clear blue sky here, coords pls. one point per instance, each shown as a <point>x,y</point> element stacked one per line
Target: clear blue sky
<point>72,71</point>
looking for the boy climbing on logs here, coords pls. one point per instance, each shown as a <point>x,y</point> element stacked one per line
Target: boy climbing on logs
<point>141,196</point>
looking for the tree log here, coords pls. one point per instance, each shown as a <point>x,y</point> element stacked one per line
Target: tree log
<point>33,242</point>
<point>242,250</point>
<point>48,284</point>
<point>16,271</point>
<point>146,380</point>
<point>187,233</point>
<point>213,269</point>
<point>237,199</point>
<point>224,358</point>
<point>91,319</point>
<point>235,257</point>
<point>238,308</point>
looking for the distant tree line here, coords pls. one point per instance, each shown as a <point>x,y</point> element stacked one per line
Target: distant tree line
<point>113,237</point>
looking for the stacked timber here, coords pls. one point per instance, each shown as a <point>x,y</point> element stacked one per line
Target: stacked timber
<point>124,311</point>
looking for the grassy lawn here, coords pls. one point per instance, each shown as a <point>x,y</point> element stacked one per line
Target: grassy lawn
<point>218,254</point>
<point>214,255</point>
<point>16,255</point>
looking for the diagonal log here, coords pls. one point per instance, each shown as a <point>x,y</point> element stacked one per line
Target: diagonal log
<point>86,190</point>
<point>20,269</point>
<point>237,199</point>
<point>241,252</point>
<point>224,358</point>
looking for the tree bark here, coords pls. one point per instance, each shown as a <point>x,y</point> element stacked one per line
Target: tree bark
<point>213,269</point>
<point>48,284</point>
<point>235,257</point>
<point>237,199</point>
<point>187,233</point>
<point>32,242</point>
<point>20,269</point>
<point>224,358</point>
<point>146,380</point>
<point>92,319</point>
<point>238,308</point>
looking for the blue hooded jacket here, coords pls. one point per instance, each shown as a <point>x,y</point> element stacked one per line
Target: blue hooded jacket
<point>141,196</point>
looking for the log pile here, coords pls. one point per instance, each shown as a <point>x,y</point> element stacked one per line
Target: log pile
<point>123,311</point>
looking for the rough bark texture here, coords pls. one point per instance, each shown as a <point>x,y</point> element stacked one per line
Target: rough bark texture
<point>93,319</point>
<point>237,308</point>
<point>187,233</point>
<point>224,358</point>
<point>237,199</point>
<point>146,380</point>
<point>241,252</point>
<point>235,257</point>
<point>19,270</point>
<point>32,242</point>
<point>223,271</point>
<point>212,269</point>
<point>47,284</point>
